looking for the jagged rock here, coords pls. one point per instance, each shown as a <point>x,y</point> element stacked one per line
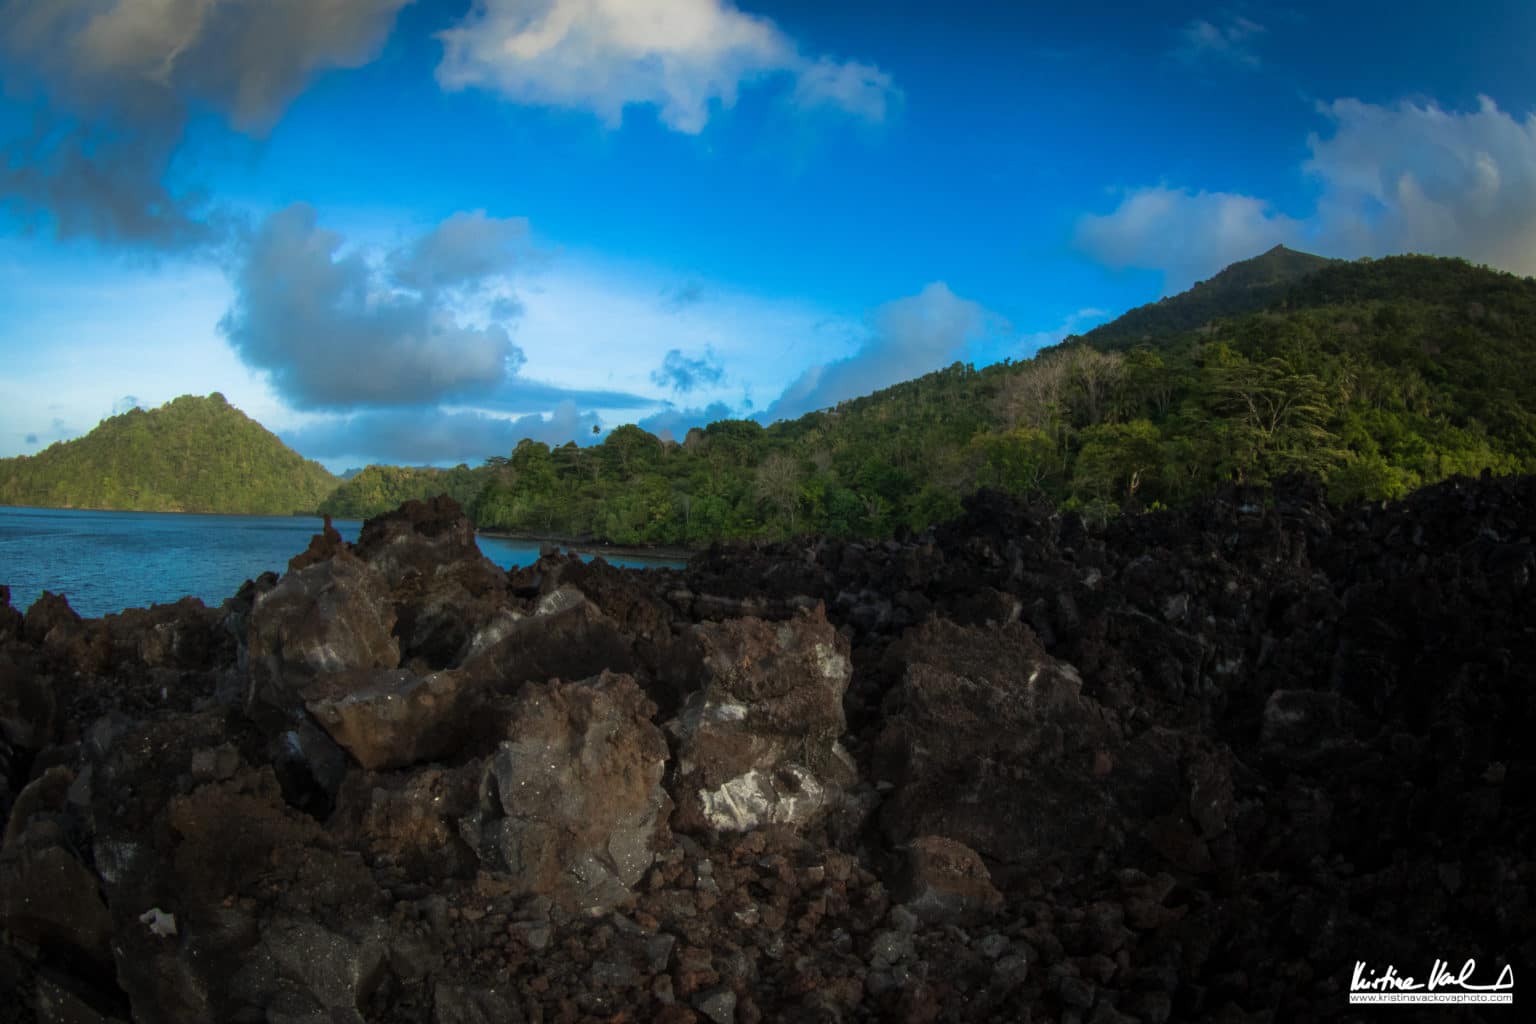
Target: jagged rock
<point>572,640</point>
<point>29,711</point>
<point>300,970</point>
<point>571,804</point>
<point>1300,718</point>
<point>942,880</point>
<point>409,821</point>
<point>12,622</point>
<point>47,896</point>
<point>328,543</point>
<point>461,1004</point>
<point>990,741</point>
<point>185,636</point>
<point>758,739</point>
<point>390,718</point>
<point>333,616</point>
<point>444,590</point>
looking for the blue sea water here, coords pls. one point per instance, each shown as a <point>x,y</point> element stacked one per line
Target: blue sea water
<point>107,561</point>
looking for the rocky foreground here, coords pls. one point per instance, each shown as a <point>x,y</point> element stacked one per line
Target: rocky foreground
<point>1193,767</point>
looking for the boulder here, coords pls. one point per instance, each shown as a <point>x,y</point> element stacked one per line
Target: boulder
<point>571,804</point>
<point>444,590</point>
<point>989,740</point>
<point>390,718</point>
<point>330,617</point>
<point>47,896</point>
<point>567,637</point>
<point>757,740</point>
<point>942,880</point>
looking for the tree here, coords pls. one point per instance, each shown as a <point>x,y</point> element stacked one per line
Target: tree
<point>778,485</point>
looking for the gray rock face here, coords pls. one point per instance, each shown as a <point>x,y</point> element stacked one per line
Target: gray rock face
<point>331,617</point>
<point>571,805</point>
<point>758,740</point>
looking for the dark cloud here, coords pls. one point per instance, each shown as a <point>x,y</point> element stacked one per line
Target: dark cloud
<point>683,374</point>
<point>464,249</point>
<point>676,423</point>
<point>113,81</point>
<point>912,336</point>
<point>331,335</point>
<point>31,439</point>
<point>428,436</point>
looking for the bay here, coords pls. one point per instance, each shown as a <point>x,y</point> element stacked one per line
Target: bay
<point>104,562</point>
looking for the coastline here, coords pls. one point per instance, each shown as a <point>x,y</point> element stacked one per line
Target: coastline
<point>174,512</point>
<point>592,547</point>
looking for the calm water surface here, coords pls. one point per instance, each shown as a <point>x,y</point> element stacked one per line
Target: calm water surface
<point>107,561</point>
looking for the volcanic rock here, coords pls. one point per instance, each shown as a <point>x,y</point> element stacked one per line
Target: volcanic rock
<point>571,804</point>
<point>758,739</point>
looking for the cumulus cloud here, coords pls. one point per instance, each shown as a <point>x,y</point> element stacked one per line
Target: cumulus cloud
<point>465,248</point>
<point>1229,38</point>
<point>124,404</point>
<point>1416,177</point>
<point>684,374</point>
<point>332,335</point>
<point>1405,178</point>
<point>119,77</point>
<point>1185,234</point>
<point>681,56</point>
<point>31,439</point>
<point>423,437</point>
<point>910,337</point>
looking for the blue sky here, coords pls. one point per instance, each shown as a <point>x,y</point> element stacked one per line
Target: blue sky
<point>416,231</point>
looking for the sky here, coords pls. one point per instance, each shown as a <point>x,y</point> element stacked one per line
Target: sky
<point>416,231</point>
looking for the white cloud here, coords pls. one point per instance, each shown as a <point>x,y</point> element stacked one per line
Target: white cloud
<point>1404,178</point>
<point>910,337</point>
<point>1419,178</point>
<point>1185,234</point>
<point>1228,38</point>
<point>681,56</point>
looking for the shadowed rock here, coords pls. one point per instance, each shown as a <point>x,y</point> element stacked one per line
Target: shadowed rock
<point>571,804</point>
<point>758,739</point>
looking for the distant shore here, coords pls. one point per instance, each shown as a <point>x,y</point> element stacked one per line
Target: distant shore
<point>592,547</point>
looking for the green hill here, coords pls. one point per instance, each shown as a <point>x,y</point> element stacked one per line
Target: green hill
<point>190,455</point>
<point>1241,288</point>
<point>1378,376</point>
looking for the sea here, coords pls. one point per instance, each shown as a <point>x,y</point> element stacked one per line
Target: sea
<point>104,562</point>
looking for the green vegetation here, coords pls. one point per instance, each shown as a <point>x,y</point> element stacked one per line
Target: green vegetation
<point>1378,376</point>
<point>378,489</point>
<point>190,455</point>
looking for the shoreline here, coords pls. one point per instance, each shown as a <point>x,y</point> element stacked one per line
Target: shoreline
<point>591,547</point>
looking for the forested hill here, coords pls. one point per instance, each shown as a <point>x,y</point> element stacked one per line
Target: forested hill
<point>1378,376</point>
<point>190,455</point>
<point>1243,287</point>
